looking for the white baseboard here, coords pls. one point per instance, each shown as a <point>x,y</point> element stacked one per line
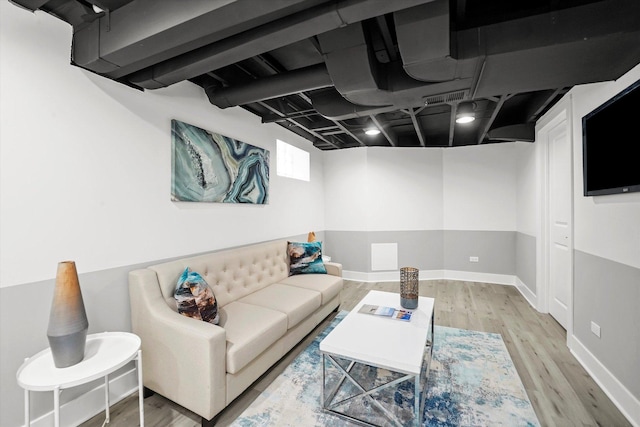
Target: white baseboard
<point>472,276</point>
<point>626,402</point>
<point>389,276</point>
<point>394,276</point>
<point>382,276</point>
<point>526,293</point>
<point>91,403</point>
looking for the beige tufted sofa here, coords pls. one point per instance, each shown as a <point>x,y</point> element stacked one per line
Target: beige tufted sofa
<point>264,313</point>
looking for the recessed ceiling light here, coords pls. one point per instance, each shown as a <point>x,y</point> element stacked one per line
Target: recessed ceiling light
<point>466,112</point>
<point>372,131</point>
<point>465,119</point>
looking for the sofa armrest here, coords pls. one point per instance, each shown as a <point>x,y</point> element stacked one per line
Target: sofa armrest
<point>184,359</point>
<point>333,268</point>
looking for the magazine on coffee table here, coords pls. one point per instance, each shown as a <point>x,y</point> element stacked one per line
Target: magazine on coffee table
<point>391,312</point>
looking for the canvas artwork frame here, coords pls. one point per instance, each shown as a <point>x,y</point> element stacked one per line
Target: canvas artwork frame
<point>209,167</point>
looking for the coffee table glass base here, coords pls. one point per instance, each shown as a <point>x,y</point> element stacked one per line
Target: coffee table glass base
<point>347,384</point>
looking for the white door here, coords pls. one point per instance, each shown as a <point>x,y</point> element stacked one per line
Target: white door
<point>560,194</point>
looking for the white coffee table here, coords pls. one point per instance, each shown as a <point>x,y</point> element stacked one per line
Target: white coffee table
<point>104,353</point>
<point>382,342</point>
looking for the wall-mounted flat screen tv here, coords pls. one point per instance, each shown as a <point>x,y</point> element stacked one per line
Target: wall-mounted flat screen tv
<point>611,143</point>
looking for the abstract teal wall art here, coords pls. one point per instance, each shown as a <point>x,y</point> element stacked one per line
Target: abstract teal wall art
<point>209,167</point>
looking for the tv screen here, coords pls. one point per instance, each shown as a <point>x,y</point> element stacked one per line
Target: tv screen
<point>611,143</point>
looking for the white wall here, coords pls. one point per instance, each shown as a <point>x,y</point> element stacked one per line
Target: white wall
<point>606,226</point>
<point>86,165</point>
<point>527,208</point>
<point>463,188</point>
<point>345,178</point>
<point>379,188</point>
<point>480,187</point>
<point>404,188</point>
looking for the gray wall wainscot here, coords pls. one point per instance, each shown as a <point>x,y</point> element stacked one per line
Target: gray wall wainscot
<point>526,260</point>
<point>496,251</point>
<point>608,293</point>
<point>429,249</point>
<point>421,249</point>
<point>349,248</point>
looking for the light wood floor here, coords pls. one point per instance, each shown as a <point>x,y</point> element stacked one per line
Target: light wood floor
<point>561,391</point>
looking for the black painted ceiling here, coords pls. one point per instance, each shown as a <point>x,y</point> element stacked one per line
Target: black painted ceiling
<point>327,70</point>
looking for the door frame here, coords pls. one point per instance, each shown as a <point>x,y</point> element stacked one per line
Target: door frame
<point>561,112</point>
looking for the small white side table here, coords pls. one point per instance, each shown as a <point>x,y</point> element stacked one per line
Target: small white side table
<point>104,353</point>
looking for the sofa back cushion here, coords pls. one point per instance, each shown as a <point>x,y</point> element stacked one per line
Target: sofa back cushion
<point>232,273</point>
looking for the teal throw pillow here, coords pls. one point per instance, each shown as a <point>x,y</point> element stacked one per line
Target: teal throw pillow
<point>195,298</point>
<point>305,258</point>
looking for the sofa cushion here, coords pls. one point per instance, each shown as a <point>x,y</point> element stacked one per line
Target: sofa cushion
<point>329,286</point>
<point>297,303</point>
<point>194,298</point>
<point>250,330</point>
<point>305,257</point>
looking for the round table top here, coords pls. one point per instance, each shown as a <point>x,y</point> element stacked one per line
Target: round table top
<point>104,353</point>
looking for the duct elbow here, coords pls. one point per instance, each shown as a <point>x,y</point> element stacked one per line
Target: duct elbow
<point>433,70</point>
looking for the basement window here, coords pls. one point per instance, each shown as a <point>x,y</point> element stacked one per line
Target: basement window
<point>292,161</point>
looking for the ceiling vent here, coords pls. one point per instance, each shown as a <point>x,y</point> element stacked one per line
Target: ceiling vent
<point>446,98</point>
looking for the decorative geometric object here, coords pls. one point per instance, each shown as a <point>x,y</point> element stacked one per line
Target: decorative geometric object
<point>68,324</point>
<point>409,287</point>
<point>209,167</point>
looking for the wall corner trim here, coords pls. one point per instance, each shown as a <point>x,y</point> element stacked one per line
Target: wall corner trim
<point>527,293</point>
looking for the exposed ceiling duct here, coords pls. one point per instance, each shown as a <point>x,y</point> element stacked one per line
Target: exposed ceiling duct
<point>361,79</point>
<point>75,13</point>
<point>326,69</point>
<point>567,47</point>
<point>276,86</point>
<point>145,33</point>
<point>521,132</point>
<point>329,103</point>
<point>195,57</point>
<point>426,45</point>
<point>520,56</point>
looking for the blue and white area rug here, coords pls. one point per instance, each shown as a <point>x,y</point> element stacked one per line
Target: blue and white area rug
<point>472,382</point>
